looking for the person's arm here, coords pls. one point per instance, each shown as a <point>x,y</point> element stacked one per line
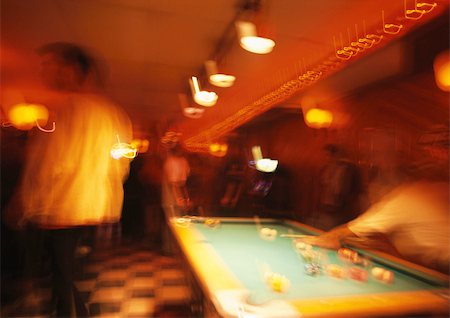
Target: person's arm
<point>180,194</point>
<point>331,239</point>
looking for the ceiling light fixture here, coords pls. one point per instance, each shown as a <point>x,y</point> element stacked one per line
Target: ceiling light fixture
<point>250,41</point>
<point>203,98</point>
<point>188,110</point>
<point>266,165</point>
<point>263,164</point>
<point>216,78</point>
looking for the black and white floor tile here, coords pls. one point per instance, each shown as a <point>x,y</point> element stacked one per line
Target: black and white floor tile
<point>125,281</point>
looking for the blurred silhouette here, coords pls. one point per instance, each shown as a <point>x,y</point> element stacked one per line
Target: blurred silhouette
<point>12,242</point>
<point>176,170</point>
<point>380,158</point>
<point>70,181</point>
<point>340,188</point>
<point>133,219</point>
<point>234,175</point>
<point>174,195</point>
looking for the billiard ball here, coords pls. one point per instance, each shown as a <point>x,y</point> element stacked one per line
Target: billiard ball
<point>383,275</point>
<point>212,223</point>
<point>302,246</point>
<point>348,255</point>
<point>312,269</point>
<point>362,261</point>
<point>309,255</point>
<point>268,233</point>
<point>182,222</point>
<point>358,274</point>
<point>377,272</point>
<point>279,283</point>
<point>335,271</point>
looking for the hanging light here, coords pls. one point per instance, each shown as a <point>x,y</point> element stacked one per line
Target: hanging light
<point>189,111</point>
<point>216,78</point>
<point>193,112</point>
<point>441,67</point>
<point>263,164</point>
<point>266,165</point>
<point>250,41</point>
<point>203,98</point>
<point>318,118</point>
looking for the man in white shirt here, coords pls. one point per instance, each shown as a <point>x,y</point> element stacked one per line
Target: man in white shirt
<point>414,218</point>
<point>70,180</point>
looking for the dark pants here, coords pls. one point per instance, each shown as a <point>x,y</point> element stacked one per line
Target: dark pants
<point>62,244</point>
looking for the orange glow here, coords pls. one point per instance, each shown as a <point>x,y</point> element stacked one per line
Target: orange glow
<point>141,145</point>
<point>318,118</point>
<point>218,150</point>
<point>442,70</point>
<point>25,116</point>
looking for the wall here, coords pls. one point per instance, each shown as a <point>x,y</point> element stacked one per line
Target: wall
<point>384,123</point>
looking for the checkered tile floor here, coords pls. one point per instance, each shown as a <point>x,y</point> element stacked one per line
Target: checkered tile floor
<point>121,282</point>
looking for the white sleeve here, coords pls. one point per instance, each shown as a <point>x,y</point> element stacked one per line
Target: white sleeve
<point>383,217</point>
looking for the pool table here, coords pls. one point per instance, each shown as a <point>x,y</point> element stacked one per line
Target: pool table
<point>230,260</point>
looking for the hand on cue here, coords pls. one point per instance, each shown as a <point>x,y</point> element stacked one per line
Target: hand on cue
<point>331,239</point>
<point>324,241</point>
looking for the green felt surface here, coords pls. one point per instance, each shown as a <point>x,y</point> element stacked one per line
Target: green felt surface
<point>247,255</point>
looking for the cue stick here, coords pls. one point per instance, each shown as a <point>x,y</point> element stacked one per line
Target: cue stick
<point>294,235</point>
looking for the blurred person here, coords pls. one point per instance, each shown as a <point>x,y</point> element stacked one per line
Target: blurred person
<point>384,169</point>
<point>382,178</point>
<point>176,170</point>
<point>132,221</point>
<point>70,181</point>
<point>174,194</point>
<point>260,186</point>
<point>340,188</point>
<point>233,176</point>
<point>234,182</point>
<point>412,221</point>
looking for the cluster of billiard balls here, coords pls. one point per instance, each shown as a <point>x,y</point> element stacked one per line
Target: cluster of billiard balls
<point>356,272</point>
